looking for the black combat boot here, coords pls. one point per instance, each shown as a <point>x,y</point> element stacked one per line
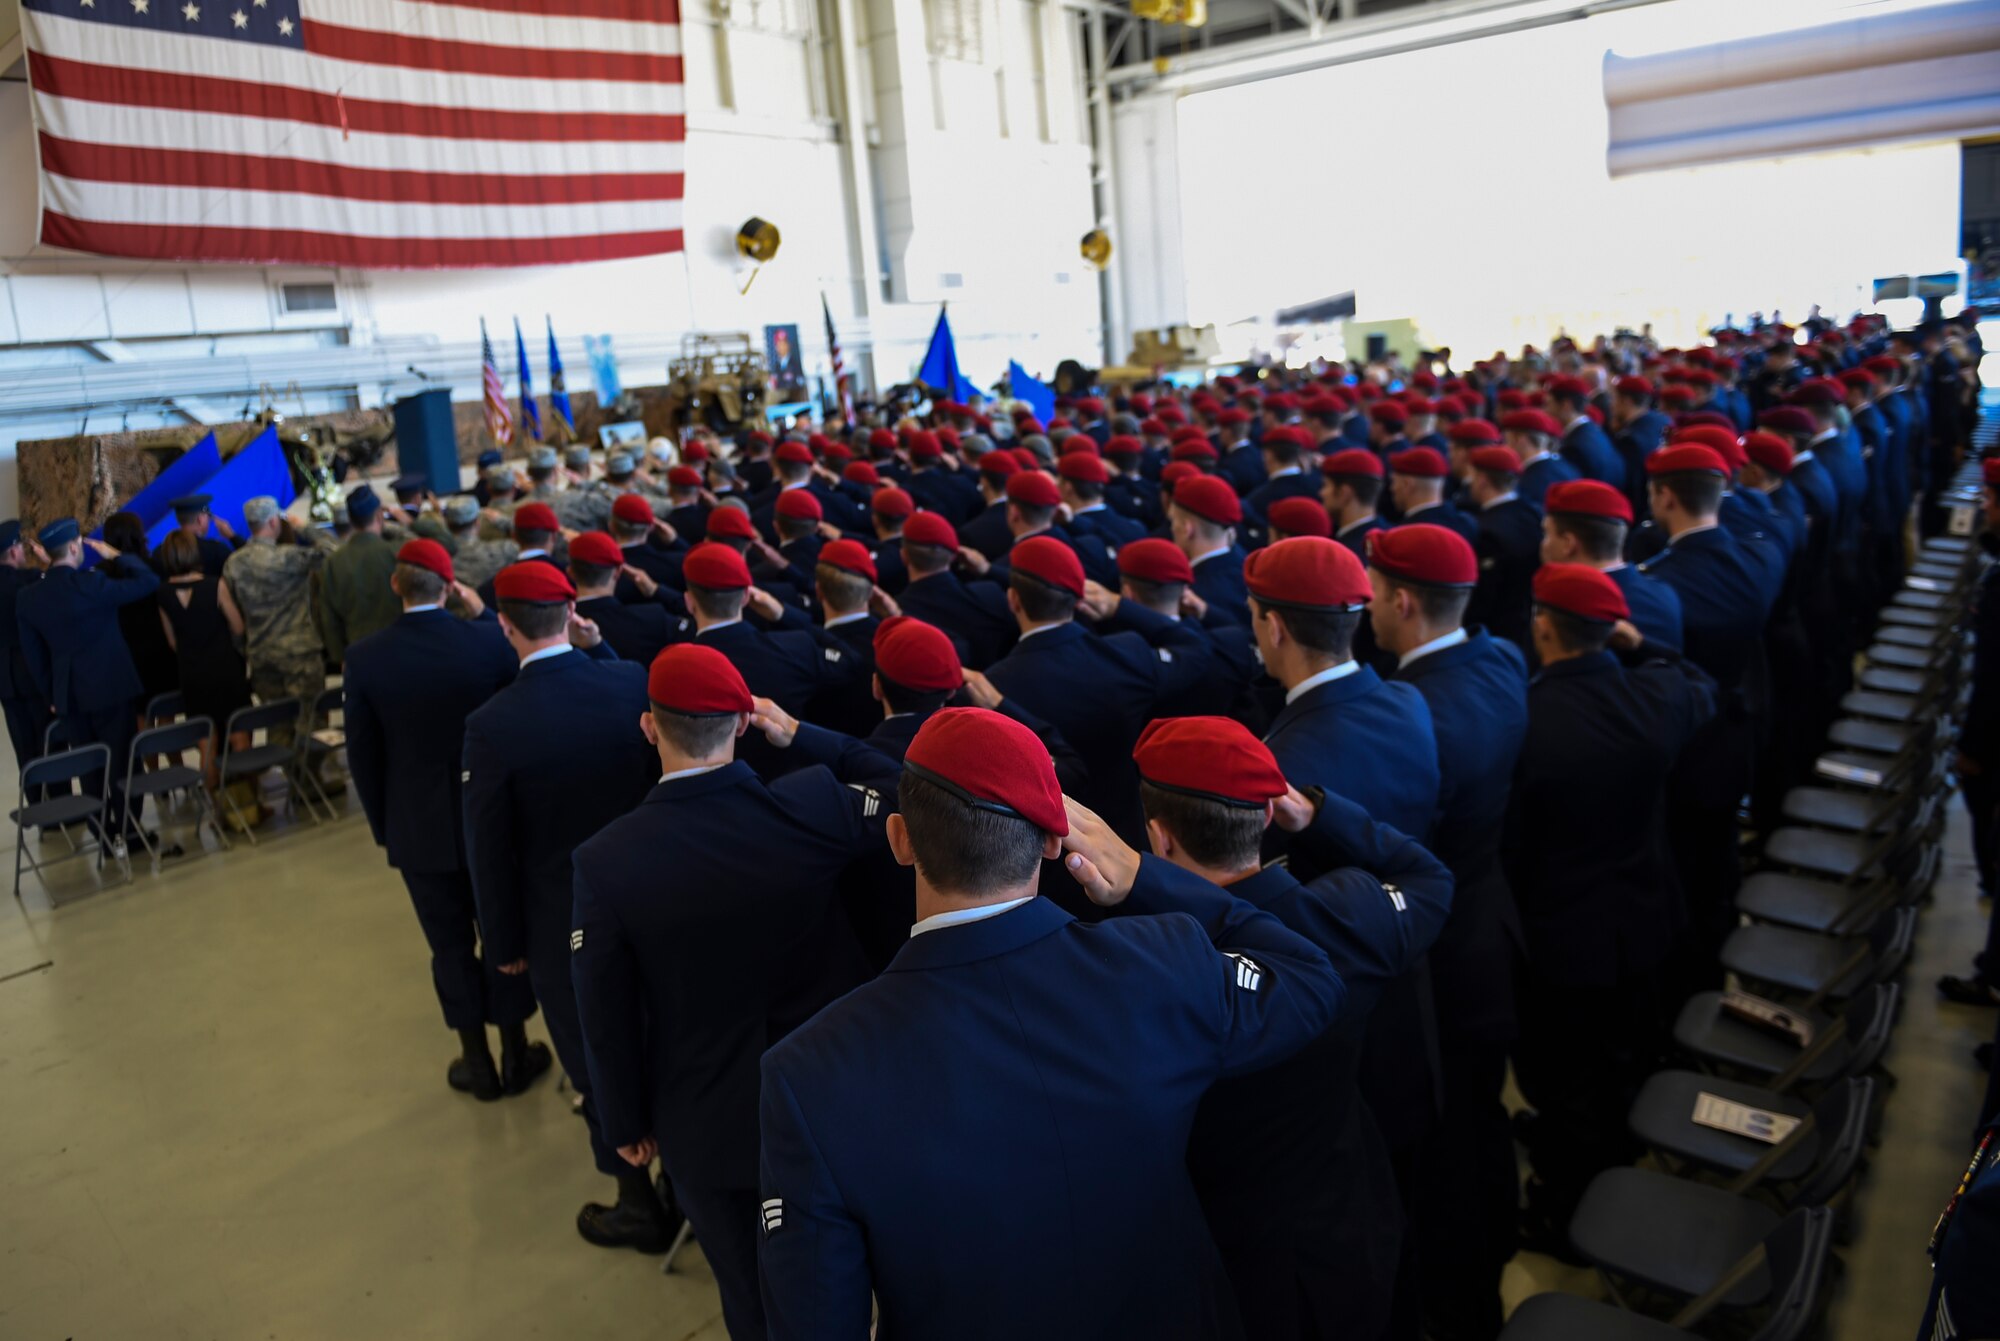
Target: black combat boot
<point>637,1221</point>
<point>473,1072</point>
<point>521,1062</point>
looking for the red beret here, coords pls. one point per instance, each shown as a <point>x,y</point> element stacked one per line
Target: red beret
<point>429,554</point>
<point>1033,489</point>
<point>1170,413</point>
<point>1352,461</point>
<point>1633,386</point>
<point>637,509</point>
<point>1189,433</point>
<point>1174,472</point>
<point>1211,499</point>
<point>1216,758</point>
<point>1435,556</point>
<point>1770,451</point>
<point>1513,399</point>
<point>1026,424</point>
<point>1787,419</point>
<point>916,655</point>
<point>536,517</point>
<point>1721,440</point>
<point>850,556</point>
<point>597,549</point>
<point>1047,558</point>
<point>1091,405</point>
<point>1367,391</point>
<point>986,759</point>
<point>1079,444</point>
<point>838,453</point>
<point>1251,394</point>
<point>1388,412</point>
<point>794,453</point>
<point>930,528</point>
<point>819,442</point>
<point>882,438</point>
<point>1989,471</point>
<point>1675,394</point>
<point>1580,590</point>
<point>892,503</point>
<point>1819,391</point>
<point>1308,572</point>
<point>679,477</point>
<point>731,522</point>
<point>697,681</point>
<point>1883,365</point>
<point>924,446</point>
<point>1677,458</point>
<point>861,472</point>
<point>714,567</point>
<point>1530,421</point>
<point>1123,444</point>
<point>1497,460</point>
<point>999,464</point>
<point>1562,384</point>
<point>1857,378</point>
<point>1155,560</point>
<point>1232,417</point>
<point>1299,516</point>
<point>535,581</point>
<point>1712,418</point>
<point>695,451</point>
<point>1423,462</point>
<point>1588,498</point>
<point>1152,428</point>
<point>1287,433</point>
<point>1193,449</point>
<point>762,439</point>
<point>799,504</point>
<point>1473,431</point>
<point>1084,466</point>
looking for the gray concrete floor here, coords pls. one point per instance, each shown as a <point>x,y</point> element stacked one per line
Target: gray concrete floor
<point>223,1115</point>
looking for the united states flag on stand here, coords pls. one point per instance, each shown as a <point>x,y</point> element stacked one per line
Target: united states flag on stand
<point>499,419</point>
<point>369,133</point>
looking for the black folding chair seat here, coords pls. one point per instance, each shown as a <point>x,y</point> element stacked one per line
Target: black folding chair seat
<point>1847,855</point>
<point>1663,1117</point>
<point>1887,680</point>
<point>1880,707</point>
<point>58,811</point>
<point>1829,907</point>
<point>1895,654</point>
<point>1672,1234</point>
<point>1569,1317</point>
<point>1859,733</point>
<point>255,760</point>
<point>1799,961</point>
<point>1938,572</point>
<point>1833,808</point>
<point>1950,545</point>
<point>1706,1031</point>
<point>1904,636</point>
<point>1916,619</point>
<point>1923,600</point>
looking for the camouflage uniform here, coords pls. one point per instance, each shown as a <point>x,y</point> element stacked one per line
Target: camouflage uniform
<point>273,586</point>
<point>584,507</point>
<point>426,526</point>
<point>479,559</point>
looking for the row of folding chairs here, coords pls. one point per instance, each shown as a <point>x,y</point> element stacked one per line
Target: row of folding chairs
<point>71,787</point>
<point>1718,1232</point>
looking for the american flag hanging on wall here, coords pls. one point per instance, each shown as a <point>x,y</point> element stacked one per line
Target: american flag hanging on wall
<point>368,133</point>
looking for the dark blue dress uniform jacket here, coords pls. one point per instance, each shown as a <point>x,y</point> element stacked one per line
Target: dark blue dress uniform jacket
<point>792,665</point>
<point>1218,579</point>
<point>1100,692</point>
<point>1292,1171</point>
<point>974,614</point>
<point>1447,515</point>
<point>1585,844</point>
<point>1589,448</point>
<point>17,681</point>
<point>1540,473</point>
<point>1510,550</point>
<point>1655,606</point>
<point>71,639</point>
<point>954,497</point>
<point>410,688</point>
<point>1724,600</point>
<point>636,632</point>
<point>1964,1301</point>
<point>992,1136</point>
<point>683,980</point>
<point>1477,693</point>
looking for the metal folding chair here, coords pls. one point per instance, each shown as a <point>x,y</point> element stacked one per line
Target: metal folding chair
<point>79,807</point>
<point>165,707</point>
<point>316,751</point>
<point>170,742</point>
<point>243,764</point>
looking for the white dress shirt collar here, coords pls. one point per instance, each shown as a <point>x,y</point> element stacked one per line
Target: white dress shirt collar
<point>1327,676</point>
<point>846,619</point>
<point>958,917</point>
<point>1452,639</point>
<point>546,653</point>
<point>689,772</point>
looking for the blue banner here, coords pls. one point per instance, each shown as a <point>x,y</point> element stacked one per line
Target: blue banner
<point>1039,397</point>
<point>940,366</point>
<point>530,416</point>
<point>603,369</point>
<point>558,388</point>
<point>259,469</point>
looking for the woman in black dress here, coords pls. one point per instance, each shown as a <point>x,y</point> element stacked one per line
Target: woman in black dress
<point>152,656</point>
<point>202,625</point>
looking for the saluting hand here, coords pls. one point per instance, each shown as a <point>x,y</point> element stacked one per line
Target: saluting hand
<point>665,531</point>
<point>1293,811</point>
<point>882,605</point>
<point>974,560</point>
<point>779,727</point>
<point>1193,605</point>
<point>1099,860</point>
<point>99,548</point>
<point>1625,636</point>
<point>763,604</point>
<point>1099,601</point>
<point>828,531</point>
<point>223,528</point>
<point>641,579</point>
<point>468,598</point>
<point>982,691</point>
<point>583,634</point>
